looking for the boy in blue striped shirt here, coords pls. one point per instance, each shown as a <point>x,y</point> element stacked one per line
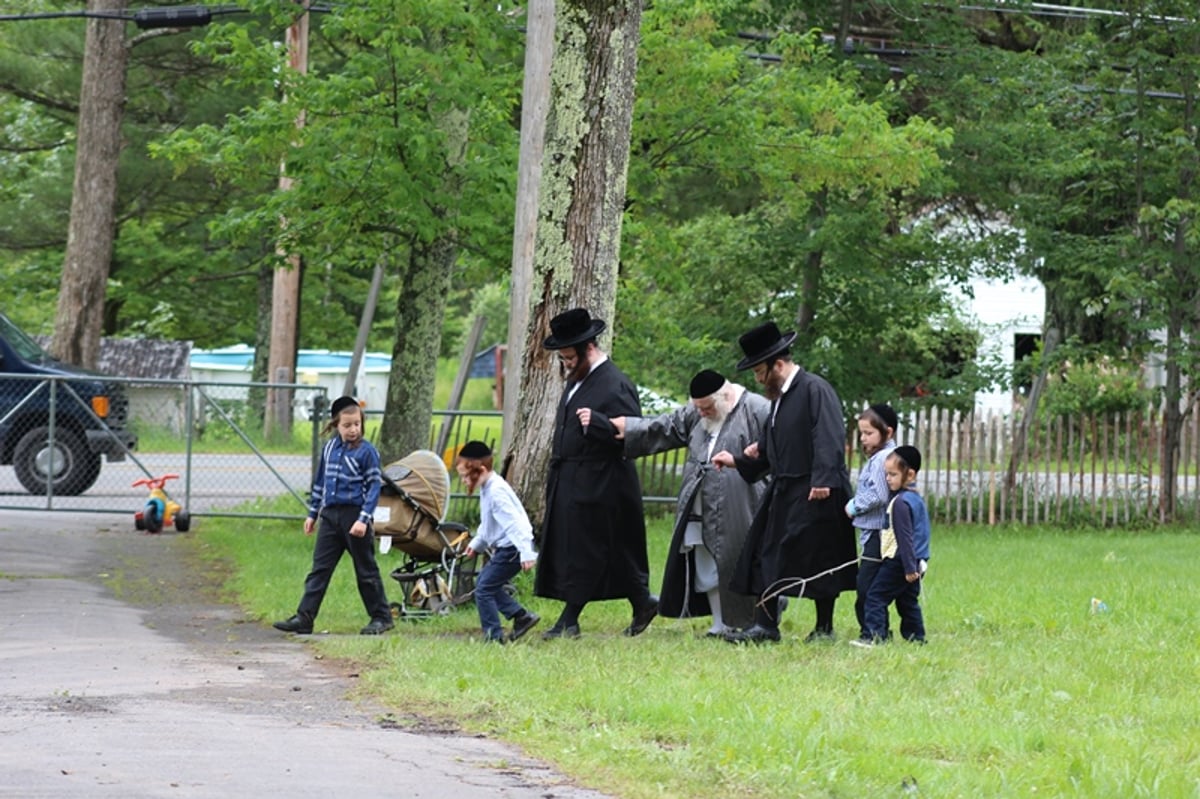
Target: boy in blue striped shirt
<point>344,495</point>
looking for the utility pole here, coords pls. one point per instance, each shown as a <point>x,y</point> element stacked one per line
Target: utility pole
<point>285,289</point>
<point>535,101</point>
<point>91,229</point>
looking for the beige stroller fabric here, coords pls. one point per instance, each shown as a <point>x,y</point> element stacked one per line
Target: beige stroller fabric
<point>415,491</point>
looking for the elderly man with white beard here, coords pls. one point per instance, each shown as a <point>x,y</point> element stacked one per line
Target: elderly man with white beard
<point>715,507</point>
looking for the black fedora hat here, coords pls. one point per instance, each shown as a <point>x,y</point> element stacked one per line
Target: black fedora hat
<point>762,343</point>
<point>572,327</point>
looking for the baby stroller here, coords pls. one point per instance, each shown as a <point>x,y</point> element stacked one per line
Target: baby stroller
<point>434,577</point>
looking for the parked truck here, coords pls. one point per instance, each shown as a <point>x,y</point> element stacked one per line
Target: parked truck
<point>56,420</point>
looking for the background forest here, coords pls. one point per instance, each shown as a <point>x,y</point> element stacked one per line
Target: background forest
<point>841,167</point>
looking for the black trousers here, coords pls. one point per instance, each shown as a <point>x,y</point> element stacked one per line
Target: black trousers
<point>334,539</point>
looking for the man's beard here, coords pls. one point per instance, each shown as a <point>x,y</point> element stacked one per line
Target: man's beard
<point>773,387</point>
<point>577,372</point>
<point>721,407</point>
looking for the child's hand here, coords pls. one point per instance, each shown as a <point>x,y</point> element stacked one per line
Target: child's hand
<point>358,529</point>
<point>309,525</point>
<point>526,565</point>
<point>912,578</point>
<point>468,553</point>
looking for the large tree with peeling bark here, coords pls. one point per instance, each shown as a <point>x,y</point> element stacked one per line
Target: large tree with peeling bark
<point>580,206</point>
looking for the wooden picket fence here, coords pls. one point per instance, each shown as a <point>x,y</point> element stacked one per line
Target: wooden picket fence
<point>1093,471</point>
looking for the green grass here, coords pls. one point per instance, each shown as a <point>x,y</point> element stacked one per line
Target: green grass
<point>1021,691</point>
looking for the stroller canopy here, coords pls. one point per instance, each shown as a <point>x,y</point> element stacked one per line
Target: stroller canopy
<point>416,489</point>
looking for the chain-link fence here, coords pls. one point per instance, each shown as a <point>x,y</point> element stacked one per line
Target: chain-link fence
<point>225,449</point>
<point>91,444</point>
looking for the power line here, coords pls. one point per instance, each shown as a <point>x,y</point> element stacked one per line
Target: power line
<point>162,17</point>
<point>148,18</point>
<point>1070,12</point>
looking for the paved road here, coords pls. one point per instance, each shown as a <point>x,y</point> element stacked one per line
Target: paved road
<point>162,693</point>
<point>216,481</point>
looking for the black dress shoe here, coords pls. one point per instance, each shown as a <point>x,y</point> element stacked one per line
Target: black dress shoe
<point>294,625</point>
<point>642,619</point>
<point>819,637</point>
<point>523,624</point>
<point>377,627</point>
<point>756,634</point>
<point>570,631</point>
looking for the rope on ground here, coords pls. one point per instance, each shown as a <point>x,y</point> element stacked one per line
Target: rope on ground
<point>784,584</point>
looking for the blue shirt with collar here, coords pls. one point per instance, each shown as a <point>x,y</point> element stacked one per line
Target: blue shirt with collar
<point>347,476</point>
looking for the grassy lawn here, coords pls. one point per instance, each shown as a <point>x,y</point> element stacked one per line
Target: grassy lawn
<point>1021,691</point>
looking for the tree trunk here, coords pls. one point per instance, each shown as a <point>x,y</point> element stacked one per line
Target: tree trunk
<point>420,311</point>
<point>581,202</point>
<point>259,370</point>
<point>1050,338</point>
<point>92,227</point>
<point>1181,318</point>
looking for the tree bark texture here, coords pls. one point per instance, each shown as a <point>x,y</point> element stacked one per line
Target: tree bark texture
<point>79,323</point>
<point>580,206</point>
<point>421,309</point>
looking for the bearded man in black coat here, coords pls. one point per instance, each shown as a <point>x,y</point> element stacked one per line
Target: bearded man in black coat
<point>593,542</point>
<point>800,542</point>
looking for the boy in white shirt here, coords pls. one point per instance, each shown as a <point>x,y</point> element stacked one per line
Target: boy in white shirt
<point>506,535</point>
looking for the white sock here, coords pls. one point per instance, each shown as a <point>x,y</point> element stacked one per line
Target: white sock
<point>714,601</point>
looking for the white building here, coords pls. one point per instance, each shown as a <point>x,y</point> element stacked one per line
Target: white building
<point>1009,314</point>
<point>313,368</point>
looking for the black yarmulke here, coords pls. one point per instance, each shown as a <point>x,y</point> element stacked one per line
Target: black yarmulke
<point>887,414</point>
<point>705,384</point>
<point>910,455</point>
<point>474,450</point>
<point>340,404</point>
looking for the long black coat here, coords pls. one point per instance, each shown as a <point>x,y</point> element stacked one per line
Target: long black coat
<point>793,538</point>
<point>593,541</point>
<point>728,501</point>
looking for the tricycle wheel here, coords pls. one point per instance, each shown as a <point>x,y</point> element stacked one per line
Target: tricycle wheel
<point>183,521</point>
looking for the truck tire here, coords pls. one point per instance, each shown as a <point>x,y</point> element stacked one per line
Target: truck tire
<point>71,466</point>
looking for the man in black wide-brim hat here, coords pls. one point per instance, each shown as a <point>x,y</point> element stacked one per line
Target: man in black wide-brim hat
<point>593,543</point>
<point>800,543</point>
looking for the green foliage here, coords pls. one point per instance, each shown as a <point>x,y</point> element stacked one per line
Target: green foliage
<point>791,176</point>
<point>771,189</point>
<point>1096,386</point>
<point>370,160</point>
<point>490,301</point>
